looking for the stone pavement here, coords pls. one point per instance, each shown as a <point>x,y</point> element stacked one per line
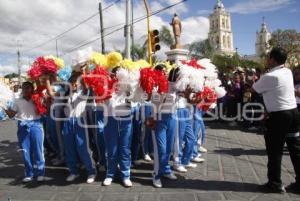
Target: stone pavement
<point>235,166</point>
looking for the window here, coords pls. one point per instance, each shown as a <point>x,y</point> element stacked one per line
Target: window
<point>224,41</point>
<point>228,42</point>
<point>223,23</point>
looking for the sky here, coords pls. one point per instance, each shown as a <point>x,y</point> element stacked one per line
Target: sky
<point>30,23</point>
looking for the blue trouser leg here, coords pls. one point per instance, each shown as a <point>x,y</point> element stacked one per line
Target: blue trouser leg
<point>117,135</point>
<point>69,138</point>
<point>179,134</point>
<point>188,139</point>
<point>163,141</point>
<point>147,144</point>
<point>100,138</point>
<point>83,149</point>
<point>136,133</point>
<point>124,148</point>
<point>198,128</point>
<point>31,139</point>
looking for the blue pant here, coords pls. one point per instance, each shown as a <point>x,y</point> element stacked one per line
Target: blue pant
<point>77,145</point>
<point>100,142</point>
<point>163,142</point>
<point>185,138</point>
<point>199,129</point>
<point>117,136</point>
<point>31,138</point>
<point>147,143</point>
<point>136,133</point>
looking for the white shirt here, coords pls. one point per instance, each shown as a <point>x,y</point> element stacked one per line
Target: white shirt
<point>165,103</point>
<point>181,102</point>
<point>26,110</point>
<point>76,105</point>
<point>277,88</point>
<point>117,105</point>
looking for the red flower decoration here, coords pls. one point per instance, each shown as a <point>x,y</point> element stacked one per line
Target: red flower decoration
<point>193,63</point>
<point>207,97</point>
<point>39,100</point>
<point>42,66</point>
<point>150,78</point>
<point>101,83</point>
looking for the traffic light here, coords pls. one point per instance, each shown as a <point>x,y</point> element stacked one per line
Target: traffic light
<point>155,40</point>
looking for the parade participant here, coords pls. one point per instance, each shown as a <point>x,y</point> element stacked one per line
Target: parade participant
<point>146,111</point>
<point>277,88</point>
<point>117,135</point>
<point>76,139</point>
<point>184,137</point>
<point>30,133</point>
<point>164,132</point>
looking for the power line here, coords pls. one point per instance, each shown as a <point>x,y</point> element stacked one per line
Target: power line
<point>120,28</point>
<point>72,28</point>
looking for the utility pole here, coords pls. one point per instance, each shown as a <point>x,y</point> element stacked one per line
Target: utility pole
<point>101,28</point>
<point>132,29</point>
<point>19,62</point>
<point>127,30</point>
<point>56,48</point>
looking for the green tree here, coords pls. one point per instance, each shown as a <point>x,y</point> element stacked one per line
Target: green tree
<point>201,49</point>
<point>11,75</point>
<point>138,52</point>
<point>289,40</point>
<point>165,36</point>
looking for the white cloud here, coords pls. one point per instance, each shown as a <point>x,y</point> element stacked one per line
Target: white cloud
<point>35,21</point>
<point>256,6</point>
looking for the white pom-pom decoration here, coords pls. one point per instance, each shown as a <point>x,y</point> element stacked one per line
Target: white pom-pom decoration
<point>189,76</point>
<point>220,91</point>
<point>6,95</point>
<point>128,81</point>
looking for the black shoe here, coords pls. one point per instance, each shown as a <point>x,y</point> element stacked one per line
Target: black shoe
<point>293,188</point>
<point>273,188</point>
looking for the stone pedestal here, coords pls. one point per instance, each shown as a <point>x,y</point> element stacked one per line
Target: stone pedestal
<point>177,55</point>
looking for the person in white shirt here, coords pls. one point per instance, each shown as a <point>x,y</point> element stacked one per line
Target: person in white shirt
<point>30,133</point>
<point>277,88</point>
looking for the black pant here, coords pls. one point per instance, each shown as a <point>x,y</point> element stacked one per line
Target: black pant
<point>279,125</point>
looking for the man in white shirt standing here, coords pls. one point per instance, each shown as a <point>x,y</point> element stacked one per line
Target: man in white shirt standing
<point>277,88</point>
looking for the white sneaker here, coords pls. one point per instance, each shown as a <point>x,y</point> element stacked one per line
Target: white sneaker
<point>40,178</point>
<point>198,160</point>
<point>180,168</point>
<point>27,179</point>
<point>147,157</point>
<point>171,176</point>
<point>202,149</point>
<point>72,177</point>
<point>191,165</point>
<point>157,183</point>
<point>107,181</point>
<point>127,183</point>
<point>91,179</point>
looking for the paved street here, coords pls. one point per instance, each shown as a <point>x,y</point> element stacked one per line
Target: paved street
<point>235,166</point>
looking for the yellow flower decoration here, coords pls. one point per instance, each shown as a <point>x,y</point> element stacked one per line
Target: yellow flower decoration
<point>58,61</point>
<point>142,64</point>
<point>114,59</point>
<point>129,65</point>
<point>98,59</point>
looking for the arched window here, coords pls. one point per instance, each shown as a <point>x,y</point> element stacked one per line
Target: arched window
<point>227,23</point>
<point>228,42</point>
<point>223,23</point>
<point>224,41</point>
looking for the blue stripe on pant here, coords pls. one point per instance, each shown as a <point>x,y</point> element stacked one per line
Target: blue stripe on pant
<point>184,139</point>
<point>199,129</point>
<point>76,144</point>
<point>136,133</point>
<point>163,142</point>
<point>31,138</point>
<point>100,142</point>
<point>117,136</point>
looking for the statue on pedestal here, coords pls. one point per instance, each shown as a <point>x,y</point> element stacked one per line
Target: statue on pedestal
<point>176,24</point>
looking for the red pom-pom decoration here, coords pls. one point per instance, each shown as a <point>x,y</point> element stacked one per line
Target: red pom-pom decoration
<point>207,97</point>
<point>39,100</point>
<point>150,78</point>
<point>101,83</point>
<point>42,66</point>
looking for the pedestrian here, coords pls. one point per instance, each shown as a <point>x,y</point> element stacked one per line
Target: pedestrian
<point>277,88</point>
<point>30,133</point>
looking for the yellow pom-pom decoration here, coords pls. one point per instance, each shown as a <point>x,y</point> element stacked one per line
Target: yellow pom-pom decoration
<point>129,65</point>
<point>98,59</point>
<point>114,59</point>
<point>142,64</point>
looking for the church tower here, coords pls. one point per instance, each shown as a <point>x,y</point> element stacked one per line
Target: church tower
<point>263,36</point>
<point>220,33</point>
